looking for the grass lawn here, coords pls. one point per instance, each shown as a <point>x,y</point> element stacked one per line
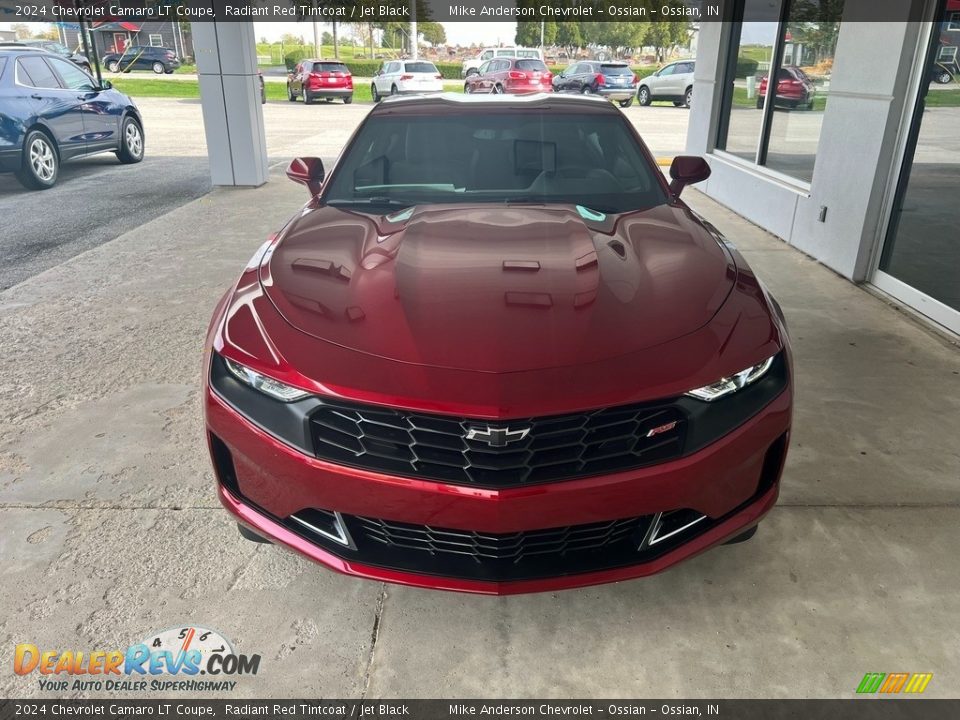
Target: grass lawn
<point>151,87</point>
<point>943,98</point>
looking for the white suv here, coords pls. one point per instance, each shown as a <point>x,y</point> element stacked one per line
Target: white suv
<point>472,65</point>
<point>671,82</point>
<point>397,77</point>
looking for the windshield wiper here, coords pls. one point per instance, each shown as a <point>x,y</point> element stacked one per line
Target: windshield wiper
<point>374,201</point>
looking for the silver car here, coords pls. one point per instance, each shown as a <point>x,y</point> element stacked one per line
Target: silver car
<point>671,82</point>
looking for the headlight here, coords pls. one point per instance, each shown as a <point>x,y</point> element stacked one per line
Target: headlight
<point>726,386</point>
<point>268,386</point>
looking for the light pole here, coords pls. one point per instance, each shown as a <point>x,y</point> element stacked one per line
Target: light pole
<point>413,30</point>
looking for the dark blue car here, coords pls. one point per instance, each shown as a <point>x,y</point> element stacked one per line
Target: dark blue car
<point>51,111</point>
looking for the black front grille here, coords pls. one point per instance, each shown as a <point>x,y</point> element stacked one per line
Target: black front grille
<point>560,447</point>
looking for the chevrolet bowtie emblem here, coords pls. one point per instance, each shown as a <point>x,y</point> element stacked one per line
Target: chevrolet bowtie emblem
<point>497,436</point>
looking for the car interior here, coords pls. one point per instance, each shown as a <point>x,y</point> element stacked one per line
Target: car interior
<point>474,158</point>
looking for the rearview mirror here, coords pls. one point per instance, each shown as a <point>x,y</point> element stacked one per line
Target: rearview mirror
<point>687,170</point>
<point>307,171</point>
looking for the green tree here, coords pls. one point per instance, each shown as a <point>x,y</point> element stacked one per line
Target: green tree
<point>568,35</point>
<point>620,37</point>
<point>528,33</point>
<point>22,30</point>
<point>432,32</point>
<point>326,38</point>
<point>664,35</point>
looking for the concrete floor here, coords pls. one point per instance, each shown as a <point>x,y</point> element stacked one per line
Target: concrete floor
<point>110,530</point>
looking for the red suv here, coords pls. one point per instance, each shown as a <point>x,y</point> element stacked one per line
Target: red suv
<point>313,79</point>
<point>794,89</point>
<point>510,75</point>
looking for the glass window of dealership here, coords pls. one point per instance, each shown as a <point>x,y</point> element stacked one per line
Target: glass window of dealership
<point>835,124</point>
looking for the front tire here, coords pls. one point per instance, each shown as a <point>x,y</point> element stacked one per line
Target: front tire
<point>158,68</point>
<point>39,165</point>
<point>248,534</point>
<point>131,142</point>
<point>643,96</point>
<point>113,66</point>
<point>944,77</point>
<point>497,89</point>
<point>688,98</point>
<point>743,537</point>
<point>467,89</point>
<point>374,93</point>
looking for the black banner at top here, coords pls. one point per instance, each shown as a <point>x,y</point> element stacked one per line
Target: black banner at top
<point>696,11</point>
<point>487,709</point>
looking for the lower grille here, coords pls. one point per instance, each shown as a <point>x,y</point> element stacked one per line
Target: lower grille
<point>497,454</point>
<point>511,547</point>
<point>499,557</point>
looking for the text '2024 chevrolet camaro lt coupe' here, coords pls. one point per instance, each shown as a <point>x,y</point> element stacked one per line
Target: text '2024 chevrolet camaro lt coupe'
<point>496,353</point>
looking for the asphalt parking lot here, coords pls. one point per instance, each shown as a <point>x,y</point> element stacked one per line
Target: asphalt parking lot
<point>110,529</point>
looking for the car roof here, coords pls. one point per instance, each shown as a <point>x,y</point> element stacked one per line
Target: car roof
<point>441,102</point>
<point>18,49</point>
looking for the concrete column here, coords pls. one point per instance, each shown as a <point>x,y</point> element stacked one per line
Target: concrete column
<point>708,79</point>
<point>869,91</point>
<point>230,95</point>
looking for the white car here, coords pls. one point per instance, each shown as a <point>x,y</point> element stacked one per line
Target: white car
<point>472,65</point>
<point>672,82</point>
<point>402,77</point>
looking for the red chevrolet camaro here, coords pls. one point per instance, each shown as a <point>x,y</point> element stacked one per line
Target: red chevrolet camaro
<point>496,353</point>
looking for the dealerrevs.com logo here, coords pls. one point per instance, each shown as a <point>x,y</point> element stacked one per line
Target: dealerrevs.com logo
<point>172,659</point>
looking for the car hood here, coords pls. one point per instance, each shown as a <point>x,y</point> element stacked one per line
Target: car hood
<point>494,288</point>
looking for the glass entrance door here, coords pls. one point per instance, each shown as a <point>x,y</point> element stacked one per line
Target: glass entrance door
<point>920,262</point>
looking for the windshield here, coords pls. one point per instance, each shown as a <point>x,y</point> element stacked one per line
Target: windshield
<point>421,67</point>
<point>541,156</point>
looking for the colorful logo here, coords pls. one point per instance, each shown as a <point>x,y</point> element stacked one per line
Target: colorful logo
<point>893,683</point>
<point>183,651</point>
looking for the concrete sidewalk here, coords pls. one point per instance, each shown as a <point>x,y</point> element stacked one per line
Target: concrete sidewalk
<point>110,530</point>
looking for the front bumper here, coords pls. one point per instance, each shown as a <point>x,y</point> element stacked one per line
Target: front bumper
<point>263,482</point>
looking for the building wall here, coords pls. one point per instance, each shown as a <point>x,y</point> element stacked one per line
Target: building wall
<point>869,90</point>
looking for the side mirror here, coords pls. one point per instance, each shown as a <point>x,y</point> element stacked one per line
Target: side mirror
<point>687,170</point>
<point>106,85</point>
<point>307,171</point>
